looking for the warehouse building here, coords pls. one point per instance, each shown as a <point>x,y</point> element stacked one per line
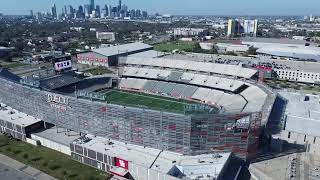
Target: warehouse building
<point>290,49</point>
<point>190,32</point>
<point>108,56</point>
<point>109,36</point>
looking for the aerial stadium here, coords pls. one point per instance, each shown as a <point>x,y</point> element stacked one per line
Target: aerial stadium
<point>187,107</point>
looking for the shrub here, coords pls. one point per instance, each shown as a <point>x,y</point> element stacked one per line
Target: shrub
<point>45,163</point>
<point>36,158</point>
<point>54,167</point>
<point>25,156</point>
<point>64,172</point>
<point>16,151</point>
<point>72,175</point>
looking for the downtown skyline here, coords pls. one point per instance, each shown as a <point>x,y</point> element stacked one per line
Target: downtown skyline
<point>176,7</point>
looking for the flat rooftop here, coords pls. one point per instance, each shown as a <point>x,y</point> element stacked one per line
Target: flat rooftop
<point>121,49</point>
<point>303,113</point>
<point>274,40</point>
<point>58,135</point>
<point>11,115</point>
<point>148,54</point>
<point>162,161</point>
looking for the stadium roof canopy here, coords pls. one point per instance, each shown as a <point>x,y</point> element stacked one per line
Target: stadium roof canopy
<point>59,81</point>
<point>303,115</point>
<point>4,73</point>
<point>225,69</point>
<point>122,49</point>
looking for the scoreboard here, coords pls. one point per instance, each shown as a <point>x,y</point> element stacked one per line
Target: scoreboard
<point>62,63</point>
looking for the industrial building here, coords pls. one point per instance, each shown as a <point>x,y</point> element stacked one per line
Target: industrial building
<point>290,49</point>
<point>262,42</point>
<point>108,56</point>
<point>109,36</point>
<point>190,32</point>
<point>228,47</point>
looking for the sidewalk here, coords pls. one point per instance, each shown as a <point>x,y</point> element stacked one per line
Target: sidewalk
<point>35,173</point>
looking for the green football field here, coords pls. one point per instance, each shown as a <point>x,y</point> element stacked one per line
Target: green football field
<point>146,100</point>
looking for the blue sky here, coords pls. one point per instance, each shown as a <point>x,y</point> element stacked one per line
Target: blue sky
<point>180,7</point>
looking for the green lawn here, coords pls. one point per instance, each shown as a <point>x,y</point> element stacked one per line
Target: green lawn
<point>170,46</point>
<point>49,161</point>
<point>99,71</point>
<point>149,101</point>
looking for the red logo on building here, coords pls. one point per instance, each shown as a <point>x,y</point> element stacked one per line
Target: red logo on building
<point>122,163</point>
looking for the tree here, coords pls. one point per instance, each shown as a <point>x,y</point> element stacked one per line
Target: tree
<point>214,50</point>
<point>7,59</point>
<point>252,51</point>
<point>231,53</point>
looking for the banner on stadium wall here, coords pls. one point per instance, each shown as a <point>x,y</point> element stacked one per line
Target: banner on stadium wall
<point>91,57</point>
<point>122,163</point>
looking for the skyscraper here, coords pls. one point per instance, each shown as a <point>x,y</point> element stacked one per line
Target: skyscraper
<point>54,12</point>
<point>106,10</point>
<point>119,6</point>
<point>92,6</point>
<point>80,13</point>
<point>138,13</point>
<point>110,11</point>
<point>98,11</point>
<point>87,10</point>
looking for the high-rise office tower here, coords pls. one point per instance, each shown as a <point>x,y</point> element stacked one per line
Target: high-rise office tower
<point>87,10</point>
<point>119,6</point>
<point>110,11</point>
<point>65,11</point>
<point>133,13</point>
<point>54,11</point>
<point>98,11</point>
<point>92,6</point>
<point>138,13</point>
<point>106,10</point>
<point>31,13</point>
<point>145,14</point>
<point>70,11</point>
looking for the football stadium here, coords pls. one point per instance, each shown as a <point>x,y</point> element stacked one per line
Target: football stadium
<point>167,108</point>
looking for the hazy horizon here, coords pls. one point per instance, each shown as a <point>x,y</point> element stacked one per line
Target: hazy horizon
<point>177,7</point>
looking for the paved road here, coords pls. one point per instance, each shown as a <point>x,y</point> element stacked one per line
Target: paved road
<point>9,173</point>
<point>14,170</point>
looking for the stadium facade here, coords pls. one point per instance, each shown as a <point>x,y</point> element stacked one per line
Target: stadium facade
<point>186,134</point>
<point>109,132</point>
